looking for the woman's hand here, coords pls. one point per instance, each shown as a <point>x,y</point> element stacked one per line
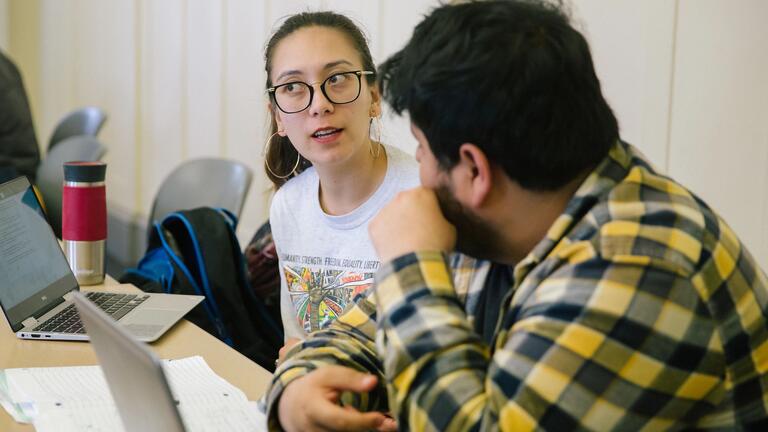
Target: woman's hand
<point>288,344</point>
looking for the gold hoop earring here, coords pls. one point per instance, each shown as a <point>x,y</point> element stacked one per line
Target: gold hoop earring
<point>378,137</point>
<point>266,159</point>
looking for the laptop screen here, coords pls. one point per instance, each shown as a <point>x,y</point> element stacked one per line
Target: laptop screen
<point>34,274</point>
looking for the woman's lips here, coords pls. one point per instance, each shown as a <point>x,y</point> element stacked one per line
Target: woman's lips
<point>326,135</point>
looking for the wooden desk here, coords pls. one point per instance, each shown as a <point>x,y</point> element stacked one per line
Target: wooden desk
<point>183,340</point>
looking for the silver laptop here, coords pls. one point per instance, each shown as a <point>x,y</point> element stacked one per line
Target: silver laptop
<point>134,374</point>
<point>36,283</point>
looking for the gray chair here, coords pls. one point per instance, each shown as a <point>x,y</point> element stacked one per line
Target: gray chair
<point>211,182</point>
<point>84,121</point>
<point>50,173</point>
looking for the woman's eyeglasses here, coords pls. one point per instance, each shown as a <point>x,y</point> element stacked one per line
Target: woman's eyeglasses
<point>339,88</point>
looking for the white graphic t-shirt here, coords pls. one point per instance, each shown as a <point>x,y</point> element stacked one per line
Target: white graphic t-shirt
<point>326,261</point>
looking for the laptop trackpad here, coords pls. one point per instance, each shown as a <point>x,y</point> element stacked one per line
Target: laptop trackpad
<point>148,316</point>
<point>170,302</point>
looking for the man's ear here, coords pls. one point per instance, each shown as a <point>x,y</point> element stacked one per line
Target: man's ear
<point>475,174</point>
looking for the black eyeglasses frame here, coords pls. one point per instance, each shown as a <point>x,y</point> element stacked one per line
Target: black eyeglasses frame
<point>359,74</point>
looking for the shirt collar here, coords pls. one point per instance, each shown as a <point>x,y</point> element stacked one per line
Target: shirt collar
<point>610,171</point>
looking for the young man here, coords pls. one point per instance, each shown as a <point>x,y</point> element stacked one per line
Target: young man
<point>619,301</point>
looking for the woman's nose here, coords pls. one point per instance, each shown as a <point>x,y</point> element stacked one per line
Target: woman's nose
<point>320,104</point>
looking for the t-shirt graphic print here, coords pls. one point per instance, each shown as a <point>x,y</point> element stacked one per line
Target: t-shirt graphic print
<point>321,292</point>
<point>326,260</point>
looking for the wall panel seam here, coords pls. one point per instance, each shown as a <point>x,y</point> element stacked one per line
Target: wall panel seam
<point>670,107</point>
<point>184,79</point>
<point>223,94</point>
<point>137,110</point>
<point>764,243</point>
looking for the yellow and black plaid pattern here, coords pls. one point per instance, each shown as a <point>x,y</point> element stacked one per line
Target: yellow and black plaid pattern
<point>640,310</point>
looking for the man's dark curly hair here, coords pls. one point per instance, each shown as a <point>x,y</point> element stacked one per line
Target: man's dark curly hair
<point>512,77</point>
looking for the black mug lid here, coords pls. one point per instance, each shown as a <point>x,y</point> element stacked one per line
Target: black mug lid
<point>85,172</point>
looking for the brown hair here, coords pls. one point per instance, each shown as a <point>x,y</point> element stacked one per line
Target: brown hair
<point>281,155</point>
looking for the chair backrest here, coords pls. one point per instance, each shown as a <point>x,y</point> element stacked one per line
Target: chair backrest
<point>211,182</point>
<point>50,173</point>
<point>84,121</point>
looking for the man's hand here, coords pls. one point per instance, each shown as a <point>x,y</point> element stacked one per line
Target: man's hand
<point>312,403</point>
<point>409,223</point>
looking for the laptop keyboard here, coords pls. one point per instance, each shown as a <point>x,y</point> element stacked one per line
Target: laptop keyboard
<point>115,305</point>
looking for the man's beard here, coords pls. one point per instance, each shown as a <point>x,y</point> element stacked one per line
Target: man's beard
<point>473,237</point>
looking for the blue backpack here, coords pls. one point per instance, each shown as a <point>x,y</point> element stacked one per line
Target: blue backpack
<point>197,252</point>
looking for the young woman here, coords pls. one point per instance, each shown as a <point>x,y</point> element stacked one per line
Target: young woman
<point>331,172</point>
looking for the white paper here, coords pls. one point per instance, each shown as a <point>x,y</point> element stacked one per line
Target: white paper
<point>16,411</point>
<point>193,381</point>
<point>77,398</point>
<point>235,417</point>
<point>74,417</point>
<point>66,384</point>
<point>240,417</point>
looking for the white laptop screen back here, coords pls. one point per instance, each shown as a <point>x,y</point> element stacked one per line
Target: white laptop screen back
<point>34,274</point>
<point>134,374</point>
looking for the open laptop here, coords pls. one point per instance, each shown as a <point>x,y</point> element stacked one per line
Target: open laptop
<point>36,283</point>
<point>142,391</point>
<point>134,374</point>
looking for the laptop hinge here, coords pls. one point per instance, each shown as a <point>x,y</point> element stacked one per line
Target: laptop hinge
<point>29,322</point>
<point>68,296</point>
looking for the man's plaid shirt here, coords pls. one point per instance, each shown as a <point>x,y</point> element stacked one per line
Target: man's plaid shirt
<point>639,310</point>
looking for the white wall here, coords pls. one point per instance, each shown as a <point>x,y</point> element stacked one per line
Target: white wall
<point>719,130</point>
<point>632,46</point>
<point>184,78</point>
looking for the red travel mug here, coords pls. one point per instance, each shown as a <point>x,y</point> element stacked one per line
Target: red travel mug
<point>84,220</point>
